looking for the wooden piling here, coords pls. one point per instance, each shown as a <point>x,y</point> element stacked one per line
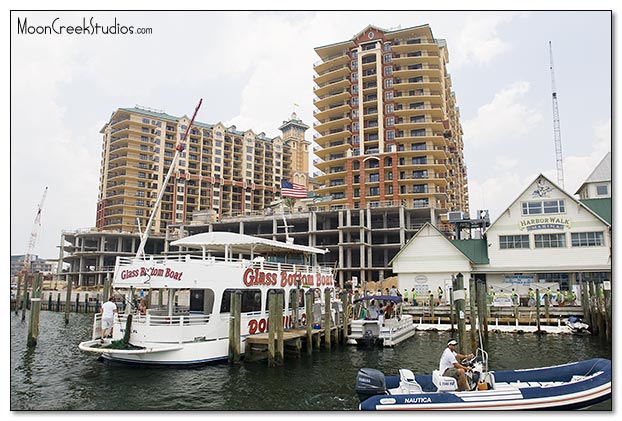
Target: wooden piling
<point>58,302</point>
<point>538,310</point>
<point>451,304</point>
<point>472,316</point>
<point>128,330</point>
<point>25,297</point>
<point>35,308</point>
<point>345,303</point>
<point>20,281</point>
<point>68,300</point>
<point>280,346</point>
<point>271,327</point>
<point>585,300</point>
<point>458,288</point>
<point>327,314</point>
<point>607,308</point>
<point>235,327</point>
<point>309,317</point>
<point>547,303</point>
<point>86,302</point>
<point>295,297</point>
<point>482,307</point>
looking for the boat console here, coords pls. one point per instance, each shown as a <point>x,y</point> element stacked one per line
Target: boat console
<point>444,383</point>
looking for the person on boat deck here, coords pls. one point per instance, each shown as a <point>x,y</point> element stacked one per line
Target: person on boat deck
<point>393,291</point>
<point>109,308</point>
<point>142,307</point>
<point>450,367</point>
<point>389,310</point>
<point>405,295</point>
<point>440,295</point>
<point>372,310</point>
<point>413,293</point>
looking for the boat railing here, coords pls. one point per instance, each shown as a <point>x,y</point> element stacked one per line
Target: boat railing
<point>212,260</point>
<point>165,320</point>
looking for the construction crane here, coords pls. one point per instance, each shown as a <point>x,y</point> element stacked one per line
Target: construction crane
<point>180,148</point>
<point>556,128</point>
<point>33,235</point>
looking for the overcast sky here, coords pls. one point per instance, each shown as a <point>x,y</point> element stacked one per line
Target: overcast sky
<point>250,68</point>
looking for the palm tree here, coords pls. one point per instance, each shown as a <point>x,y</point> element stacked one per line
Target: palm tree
<point>290,202</point>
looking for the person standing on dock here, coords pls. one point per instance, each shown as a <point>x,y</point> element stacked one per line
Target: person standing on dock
<point>405,295</point>
<point>413,294</point>
<point>109,308</point>
<point>450,367</point>
<point>440,295</point>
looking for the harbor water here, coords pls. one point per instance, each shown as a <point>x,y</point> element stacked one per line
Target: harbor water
<point>56,376</point>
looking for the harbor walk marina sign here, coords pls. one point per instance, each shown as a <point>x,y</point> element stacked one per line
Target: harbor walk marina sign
<point>544,222</point>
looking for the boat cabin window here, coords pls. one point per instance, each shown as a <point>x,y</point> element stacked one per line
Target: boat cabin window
<point>251,300</point>
<point>267,304</point>
<point>201,301</point>
<point>301,298</point>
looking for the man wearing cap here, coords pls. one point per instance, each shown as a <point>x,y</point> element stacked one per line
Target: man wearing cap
<point>450,367</point>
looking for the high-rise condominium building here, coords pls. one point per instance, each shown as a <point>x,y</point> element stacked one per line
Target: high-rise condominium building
<point>387,122</point>
<point>222,171</point>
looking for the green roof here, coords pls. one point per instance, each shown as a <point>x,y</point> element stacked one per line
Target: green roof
<point>475,249</point>
<point>601,207</point>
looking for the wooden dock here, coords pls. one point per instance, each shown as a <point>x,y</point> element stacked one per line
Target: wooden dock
<point>293,341</point>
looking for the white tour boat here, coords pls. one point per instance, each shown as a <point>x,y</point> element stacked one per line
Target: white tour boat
<point>188,322</point>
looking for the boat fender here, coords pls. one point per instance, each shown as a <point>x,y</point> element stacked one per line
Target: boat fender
<point>482,386</point>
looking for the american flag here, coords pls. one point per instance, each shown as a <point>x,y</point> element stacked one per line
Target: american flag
<point>292,189</point>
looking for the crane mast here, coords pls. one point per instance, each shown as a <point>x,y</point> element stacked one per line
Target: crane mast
<point>180,148</point>
<point>556,128</point>
<point>33,235</point>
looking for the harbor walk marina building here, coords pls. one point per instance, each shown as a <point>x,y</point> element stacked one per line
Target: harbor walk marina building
<point>544,237</point>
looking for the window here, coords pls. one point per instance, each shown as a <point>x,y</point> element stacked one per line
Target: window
<point>543,241</point>
<point>587,239</point>
<point>388,70</point>
<point>418,146</point>
<point>374,177</point>
<point>514,241</point>
<point>543,207</point>
<point>388,83</point>
<point>374,191</point>
<point>251,300</point>
<point>602,190</point>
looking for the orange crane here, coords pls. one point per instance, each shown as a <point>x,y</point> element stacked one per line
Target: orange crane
<point>33,235</point>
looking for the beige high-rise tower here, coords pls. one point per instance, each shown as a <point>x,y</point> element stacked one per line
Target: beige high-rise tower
<point>221,172</point>
<point>387,121</point>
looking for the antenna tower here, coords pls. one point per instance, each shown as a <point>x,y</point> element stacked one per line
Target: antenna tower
<point>556,129</point>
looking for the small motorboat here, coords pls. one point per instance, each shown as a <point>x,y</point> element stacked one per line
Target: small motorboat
<point>381,330</point>
<point>568,386</point>
<point>577,325</point>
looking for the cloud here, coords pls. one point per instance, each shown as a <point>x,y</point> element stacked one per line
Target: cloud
<point>479,42</point>
<point>507,116</point>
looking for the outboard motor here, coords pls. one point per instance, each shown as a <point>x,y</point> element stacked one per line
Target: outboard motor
<point>370,382</point>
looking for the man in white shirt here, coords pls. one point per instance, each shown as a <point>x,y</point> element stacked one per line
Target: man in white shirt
<point>109,308</point>
<point>450,367</point>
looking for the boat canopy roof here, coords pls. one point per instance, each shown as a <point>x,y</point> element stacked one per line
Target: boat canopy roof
<point>218,241</point>
<point>380,298</point>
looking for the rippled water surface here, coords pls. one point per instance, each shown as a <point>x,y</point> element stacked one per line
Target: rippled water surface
<point>55,375</point>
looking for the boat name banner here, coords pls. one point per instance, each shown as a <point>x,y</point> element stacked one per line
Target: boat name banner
<point>143,271</point>
<point>544,222</point>
<point>255,277</point>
